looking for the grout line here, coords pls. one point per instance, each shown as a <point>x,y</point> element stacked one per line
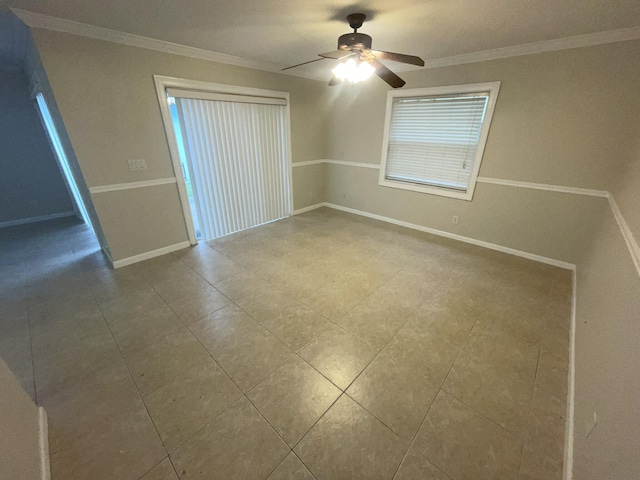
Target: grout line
<point>129,370</point>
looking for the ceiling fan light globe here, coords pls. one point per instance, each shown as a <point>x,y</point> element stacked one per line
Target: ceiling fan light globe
<point>352,71</point>
<point>365,70</point>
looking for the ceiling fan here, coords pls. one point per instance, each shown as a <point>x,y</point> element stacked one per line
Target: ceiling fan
<point>358,61</point>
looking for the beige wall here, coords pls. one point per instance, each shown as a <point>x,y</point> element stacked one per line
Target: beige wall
<point>544,223</point>
<point>310,184</point>
<point>19,430</point>
<point>607,359</point>
<point>107,98</point>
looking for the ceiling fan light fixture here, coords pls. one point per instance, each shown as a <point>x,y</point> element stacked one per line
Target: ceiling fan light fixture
<point>353,71</point>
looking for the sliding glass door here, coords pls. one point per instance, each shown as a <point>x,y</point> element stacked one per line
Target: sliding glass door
<point>235,149</point>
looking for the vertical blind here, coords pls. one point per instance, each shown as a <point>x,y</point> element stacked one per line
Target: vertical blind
<point>237,157</point>
<point>433,140</point>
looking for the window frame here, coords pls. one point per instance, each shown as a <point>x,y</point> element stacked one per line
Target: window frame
<point>491,87</point>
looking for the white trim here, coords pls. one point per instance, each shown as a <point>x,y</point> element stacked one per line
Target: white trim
<point>566,43</point>
<point>309,208</point>
<point>631,242</point>
<point>151,254</point>
<point>493,89</point>
<point>309,162</point>
<point>128,186</point>
<point>337,162</point>
<point>571,380</point>
<point>543,186</point>
<point>43,444</point>
<point>222,97</point>
<point>442,233</point>
<point>38,20</point>
<point>41,218</point>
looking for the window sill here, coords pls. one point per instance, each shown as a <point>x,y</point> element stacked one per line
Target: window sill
<point>431,190</point>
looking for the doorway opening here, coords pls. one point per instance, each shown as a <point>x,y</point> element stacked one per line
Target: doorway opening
<point>63,163</point>
<point>184,169</point>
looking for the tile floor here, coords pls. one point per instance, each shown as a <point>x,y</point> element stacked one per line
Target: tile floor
<point>322,346</point>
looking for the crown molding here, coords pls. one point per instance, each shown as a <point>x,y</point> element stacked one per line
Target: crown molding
<point>567,43</point>
<point>47,22</point>
<point>39,20</point>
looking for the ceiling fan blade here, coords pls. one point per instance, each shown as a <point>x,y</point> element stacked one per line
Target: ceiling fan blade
<point>398,57</point>
<point>336,54</point>
<point>300,64</point>
<point>334,81</point>
<point>387,75</point>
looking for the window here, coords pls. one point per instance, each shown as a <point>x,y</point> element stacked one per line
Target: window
<point>435,137</point>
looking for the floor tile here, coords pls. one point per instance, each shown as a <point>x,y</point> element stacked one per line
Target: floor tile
<point>395,394</point>
<point>157,364</point>
<point>242,285</point>
<point>124,451</point>
<point>338,355</point>
<point>223,328</point>
<point>131,304</point>
<point>239,444</point>
<point>55,370</point>
<point>173,287</point>
<point>162,471</point>
<point>426,346</point>
<point>552,375</point>
<point>375,321</point>
<point>99,400</point>
<point>502,394</point>
<point>296,325</point>
<point>547,423</point>
<point>466,445</point>
<point>417,467</point>
<point>254,356</point>
<point>291,468</point>
<point>537,466</point>
<point>58,331</point>
<point>348,442</point>
<point>265,304</point>
<point>293,398</point>
<point>496,327</point>
<point>185,404</point>
<point>199,305</point>
<point>142,330</point>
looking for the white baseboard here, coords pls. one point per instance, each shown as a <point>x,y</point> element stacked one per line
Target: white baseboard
<point>41,218</point>
<point>569,427</point>
<point>309,208</point>
<point>43,434</point>
<point>441,233</point>
<point>153,253</point>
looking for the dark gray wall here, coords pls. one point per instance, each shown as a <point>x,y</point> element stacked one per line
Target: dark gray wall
<point>31,184</point>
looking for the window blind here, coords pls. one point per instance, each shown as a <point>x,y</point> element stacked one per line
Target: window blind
<point>433,140</point>
<point>236,153</point>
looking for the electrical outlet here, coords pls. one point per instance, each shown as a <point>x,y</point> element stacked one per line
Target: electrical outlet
<point>454,220</point>
<point>137,164</point>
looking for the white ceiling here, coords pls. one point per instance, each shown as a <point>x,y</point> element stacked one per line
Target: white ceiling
<point>286,32</point>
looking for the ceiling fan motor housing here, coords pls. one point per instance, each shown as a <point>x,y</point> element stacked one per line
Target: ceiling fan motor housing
<point>354,40</point>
